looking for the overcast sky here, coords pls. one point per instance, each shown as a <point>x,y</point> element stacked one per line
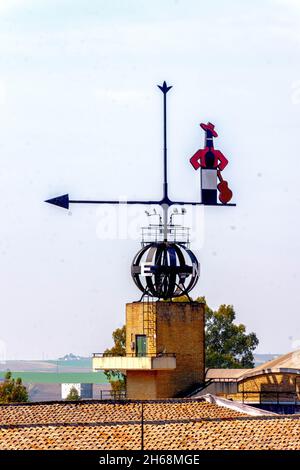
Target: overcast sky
<point>80,113</point>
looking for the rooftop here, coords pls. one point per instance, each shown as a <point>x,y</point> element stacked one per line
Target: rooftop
<point>289,363</point>
<point>290,360</point>
<point>111,411</point>
<point>203,423</point>
<point>226,373</point>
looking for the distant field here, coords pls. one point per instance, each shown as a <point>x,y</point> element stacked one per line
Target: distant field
<point>80,363</point>
<point>64,377</point>
<point>55,366</point>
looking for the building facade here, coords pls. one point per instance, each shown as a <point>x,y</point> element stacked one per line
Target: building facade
<point>165,349</point>
<point>274,385</point>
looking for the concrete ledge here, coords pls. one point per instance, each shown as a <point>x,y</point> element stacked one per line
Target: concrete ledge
<point>134,363</point>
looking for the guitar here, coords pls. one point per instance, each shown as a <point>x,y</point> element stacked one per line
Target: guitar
<point>225,192</point>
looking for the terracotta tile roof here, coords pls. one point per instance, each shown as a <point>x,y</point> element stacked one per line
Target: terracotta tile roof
<point>101,412</point>
<point>63,412</point>
<point>208,434</point>
<point>67,437</point>
<point>169,424</point>
<point>238,434</point>
<point>187,410</point>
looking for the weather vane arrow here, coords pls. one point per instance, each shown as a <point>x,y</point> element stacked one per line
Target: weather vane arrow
<point>164,88</point>
<point>64,201</point>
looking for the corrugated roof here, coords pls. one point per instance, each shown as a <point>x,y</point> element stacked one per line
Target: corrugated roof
<point>225,373</point>
<point>290,360</point>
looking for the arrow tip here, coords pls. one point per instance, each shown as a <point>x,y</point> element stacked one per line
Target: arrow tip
<point>164,88</point>
<point>60,201</point>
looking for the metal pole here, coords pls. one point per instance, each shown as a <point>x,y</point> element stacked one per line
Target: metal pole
<point>142,427</point>
<point>165,88</point>
<point>165,149</point>
<point>165,203</point>
<point>165,208</point>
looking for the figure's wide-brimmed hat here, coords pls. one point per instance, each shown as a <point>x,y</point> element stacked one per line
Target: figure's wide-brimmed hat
<point>209,127</point>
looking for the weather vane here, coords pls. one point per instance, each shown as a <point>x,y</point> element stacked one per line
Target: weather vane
<point>165,267</point>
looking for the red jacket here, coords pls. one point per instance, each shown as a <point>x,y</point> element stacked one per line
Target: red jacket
<point>200,155</point>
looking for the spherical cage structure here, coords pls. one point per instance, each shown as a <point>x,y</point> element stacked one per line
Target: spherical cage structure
<point>165,270</point>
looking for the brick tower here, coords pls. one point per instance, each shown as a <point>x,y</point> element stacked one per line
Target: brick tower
<point>164,349</point>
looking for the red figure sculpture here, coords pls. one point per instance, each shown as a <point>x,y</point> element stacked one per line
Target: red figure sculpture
<point>211,162</point>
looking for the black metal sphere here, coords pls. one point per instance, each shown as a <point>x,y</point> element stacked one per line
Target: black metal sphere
<point>165,270</point>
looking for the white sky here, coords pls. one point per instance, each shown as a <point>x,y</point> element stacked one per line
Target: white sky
<point>80,113</point>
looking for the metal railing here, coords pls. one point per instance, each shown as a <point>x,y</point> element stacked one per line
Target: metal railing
<point>134,355</point>
<point>112,395</point>
<point>223,379</point>
<point>269,396</point>
<point>155,233</point>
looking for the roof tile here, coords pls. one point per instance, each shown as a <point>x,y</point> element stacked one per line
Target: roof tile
<point>169,424</point>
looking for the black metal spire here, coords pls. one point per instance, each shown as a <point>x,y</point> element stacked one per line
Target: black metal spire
<point>165,88</point>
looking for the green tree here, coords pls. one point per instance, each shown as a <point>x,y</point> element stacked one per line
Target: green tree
<point>227,345</point>
<point>12,390</point>
<point>73,395</point>
<point>116,378</point>
<point>183,298</point>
